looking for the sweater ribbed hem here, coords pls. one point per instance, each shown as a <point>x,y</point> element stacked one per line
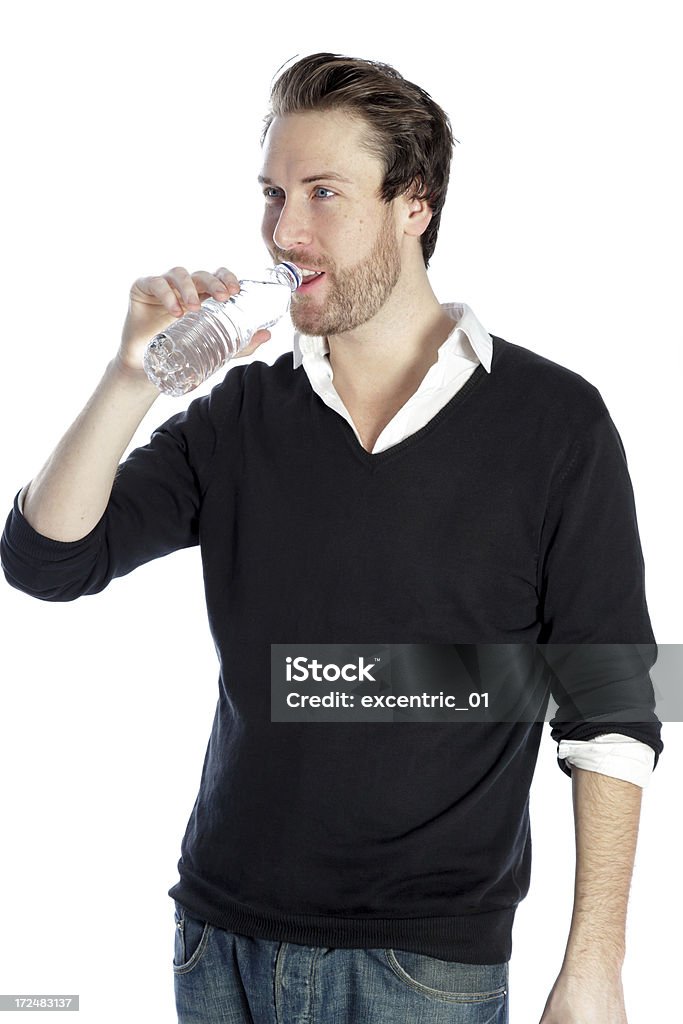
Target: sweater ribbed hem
<point>477,938</point>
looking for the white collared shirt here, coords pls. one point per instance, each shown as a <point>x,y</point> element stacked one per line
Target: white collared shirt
<point>468,344</point>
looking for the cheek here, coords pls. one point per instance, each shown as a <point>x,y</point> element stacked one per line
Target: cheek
<point>268,225</point>
<point>363,229</point>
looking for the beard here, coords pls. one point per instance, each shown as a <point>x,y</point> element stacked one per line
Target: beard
<point>354,294</point>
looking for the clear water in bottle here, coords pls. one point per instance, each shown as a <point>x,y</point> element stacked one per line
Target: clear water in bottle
<point>195,346</point>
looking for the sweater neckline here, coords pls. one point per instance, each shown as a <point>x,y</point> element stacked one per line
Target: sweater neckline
<point>373,459</point>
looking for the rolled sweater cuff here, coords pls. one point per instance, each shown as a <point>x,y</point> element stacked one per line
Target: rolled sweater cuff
<point>41,566</point>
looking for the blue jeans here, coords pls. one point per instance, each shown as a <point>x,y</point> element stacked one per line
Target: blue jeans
<point>224,978</point>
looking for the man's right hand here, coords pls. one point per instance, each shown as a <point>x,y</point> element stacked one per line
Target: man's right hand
<point>155,302</point>
<point>68,496</point>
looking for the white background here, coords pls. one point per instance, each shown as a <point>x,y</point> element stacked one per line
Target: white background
<point>131,145</point>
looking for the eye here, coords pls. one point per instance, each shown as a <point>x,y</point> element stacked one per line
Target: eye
<point>322,189</point>
<point>270,192</point>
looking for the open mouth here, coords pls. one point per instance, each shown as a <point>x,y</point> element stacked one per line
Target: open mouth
<point>311,279</point>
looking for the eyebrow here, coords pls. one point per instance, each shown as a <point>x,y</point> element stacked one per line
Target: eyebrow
<point>324,176</point>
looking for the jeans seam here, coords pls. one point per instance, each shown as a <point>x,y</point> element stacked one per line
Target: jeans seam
<point>464,998</point>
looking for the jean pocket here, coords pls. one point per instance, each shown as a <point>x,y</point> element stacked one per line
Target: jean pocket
<point>448,980</point>
<point>191,939</point>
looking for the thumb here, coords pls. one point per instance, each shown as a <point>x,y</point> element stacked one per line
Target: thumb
<point>258,338</point>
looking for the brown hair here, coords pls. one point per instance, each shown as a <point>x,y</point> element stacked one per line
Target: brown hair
<point>407,130</point>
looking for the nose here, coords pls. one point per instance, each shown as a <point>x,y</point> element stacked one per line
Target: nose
<point>292,228</point>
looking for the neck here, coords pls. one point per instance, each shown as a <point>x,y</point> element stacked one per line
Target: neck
<point>397,346</point>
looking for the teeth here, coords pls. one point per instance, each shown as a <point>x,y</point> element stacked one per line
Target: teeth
<point>311,273</point>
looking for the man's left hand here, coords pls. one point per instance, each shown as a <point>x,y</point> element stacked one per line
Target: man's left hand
<point>582,1000</point>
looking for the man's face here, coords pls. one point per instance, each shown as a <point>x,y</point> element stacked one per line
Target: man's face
<point>323,212</point>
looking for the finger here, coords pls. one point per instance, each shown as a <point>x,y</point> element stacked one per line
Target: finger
<point>210,284</point>
<point>159,289</point>
<point>229,279</point>
<point>182,281</point>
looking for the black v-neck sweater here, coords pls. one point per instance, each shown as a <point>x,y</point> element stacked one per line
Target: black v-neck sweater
<point>508,519</point>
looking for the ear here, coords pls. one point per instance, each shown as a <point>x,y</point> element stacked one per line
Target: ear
<point>417,212</point>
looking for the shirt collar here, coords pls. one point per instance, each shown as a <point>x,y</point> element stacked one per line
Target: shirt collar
<point>468,339</point>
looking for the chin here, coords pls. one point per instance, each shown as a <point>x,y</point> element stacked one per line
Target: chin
<point>307,322</point>
<point>308,327</point>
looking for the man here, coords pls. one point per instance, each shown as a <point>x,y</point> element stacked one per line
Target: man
<point>410,478</point>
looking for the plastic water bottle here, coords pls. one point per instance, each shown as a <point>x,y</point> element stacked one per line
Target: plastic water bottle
<point>192,348</point>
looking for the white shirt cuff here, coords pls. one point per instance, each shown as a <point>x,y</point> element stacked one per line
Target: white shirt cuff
<point>622,757</point>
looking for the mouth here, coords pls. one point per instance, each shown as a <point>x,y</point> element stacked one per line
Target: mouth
<point>311,280</point>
